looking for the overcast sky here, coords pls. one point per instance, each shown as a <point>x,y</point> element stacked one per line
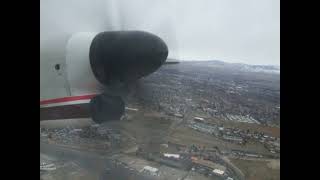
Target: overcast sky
<point>246,31</point>
<point>230,30</point>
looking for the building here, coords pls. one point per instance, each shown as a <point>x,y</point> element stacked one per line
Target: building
<point>178,115</point>
<point>193,158</point>
<point>253,155</point>
<point>209,164</point>
<point>131,109</point>
<point>218,172</point>
<point>150,170</point>
<point>198,119</point>
<point>180,163</point>
<point>176,156</point>
<point>47,167</point>
<point>233,138</point>
<point>164,145</point>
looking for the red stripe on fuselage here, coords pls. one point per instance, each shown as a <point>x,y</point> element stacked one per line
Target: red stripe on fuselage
<point>67,99</point>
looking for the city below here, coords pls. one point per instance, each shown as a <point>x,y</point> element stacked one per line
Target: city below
<point>195,120</point>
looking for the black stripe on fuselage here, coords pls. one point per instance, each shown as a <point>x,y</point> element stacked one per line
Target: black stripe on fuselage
<point>65,112</point>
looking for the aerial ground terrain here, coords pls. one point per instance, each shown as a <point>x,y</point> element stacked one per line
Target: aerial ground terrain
<point>217,120</point>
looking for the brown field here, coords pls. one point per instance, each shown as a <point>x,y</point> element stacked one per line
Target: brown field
<point>273,131</point>
<point>258,170</point>
<point>188,136</point>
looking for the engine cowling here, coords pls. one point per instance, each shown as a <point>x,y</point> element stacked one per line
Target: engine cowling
<point>112,57</point>
<point>122,56</point>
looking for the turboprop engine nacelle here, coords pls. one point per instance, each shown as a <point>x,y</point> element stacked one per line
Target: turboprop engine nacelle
<point>111,57</point>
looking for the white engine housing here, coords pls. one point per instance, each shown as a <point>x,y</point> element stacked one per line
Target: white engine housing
<point>80,78</point>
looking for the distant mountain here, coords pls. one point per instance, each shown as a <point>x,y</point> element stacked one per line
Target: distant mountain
<point>240,66</point>
<point>171,60</point>
<point>260,68</point>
